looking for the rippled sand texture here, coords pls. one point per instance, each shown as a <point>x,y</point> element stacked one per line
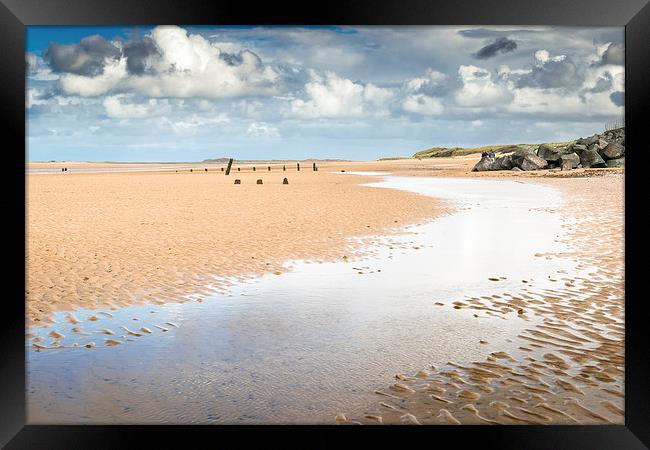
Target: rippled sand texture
<point>114,239</point>
<point>569,364</point>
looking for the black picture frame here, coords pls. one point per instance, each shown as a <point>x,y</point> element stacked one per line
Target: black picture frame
<point>634,15</point>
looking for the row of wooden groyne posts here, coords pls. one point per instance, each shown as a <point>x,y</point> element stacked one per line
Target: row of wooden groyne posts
<point>259,180</point>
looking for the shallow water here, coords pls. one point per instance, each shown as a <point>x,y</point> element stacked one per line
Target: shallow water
<point>304,345</point>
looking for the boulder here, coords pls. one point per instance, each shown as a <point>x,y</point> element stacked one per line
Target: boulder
<point>533,162</point>
<point>550,153</point>
<point>602,143</point>
<point>618,162</point>
<point>487,159</point>
<point>518,156</point>
<point>503,163</point>
<point>569,161</point>
<point>591,140</point>
<point>591,158</point>
<point>515,169</point>
<point>612,151</point>
<point>577,148</point>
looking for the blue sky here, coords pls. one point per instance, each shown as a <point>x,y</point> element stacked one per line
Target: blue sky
<point>187,93</point>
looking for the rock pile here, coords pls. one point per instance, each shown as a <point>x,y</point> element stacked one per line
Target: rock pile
<point>600,150</point>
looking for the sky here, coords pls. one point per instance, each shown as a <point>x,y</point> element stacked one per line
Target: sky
<point>188,93</point>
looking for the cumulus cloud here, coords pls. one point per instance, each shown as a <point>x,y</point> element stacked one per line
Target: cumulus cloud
<point>423,95</point>
<point>550,72</point>
<point>331,96</point>
<point>478,89</point>
<point>423,104</point>
<point>86,58</point>
<point>614,54</point>
<point>168,63</point>
<point>500,45</point>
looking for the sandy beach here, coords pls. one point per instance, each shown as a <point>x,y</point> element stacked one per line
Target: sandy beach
<point>105,238</point>
<point>111,239</point>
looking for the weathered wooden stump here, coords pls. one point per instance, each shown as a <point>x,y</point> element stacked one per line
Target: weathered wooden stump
<point>253,168</point>
<point>285,181</point>
<point>229,166</point>
<point>314,167</point>
<point>284,168</point>
<point>222,169</point>
<point>269,168</point>
<point>206,169</point>
<point>259,181</point>
<point>190,170</point>
<point>298,165</point>
<point>237,181</point>
<point>238,169</point>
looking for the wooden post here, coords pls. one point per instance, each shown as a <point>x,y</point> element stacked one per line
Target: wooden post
<point>253,168</point>
<point>315,169</point>
<point>284,168</point>
<point>269,168</point>
<point>229,166</point>
<point>298,165</point>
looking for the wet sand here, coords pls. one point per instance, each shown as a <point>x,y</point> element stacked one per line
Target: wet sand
<point>567,367</point>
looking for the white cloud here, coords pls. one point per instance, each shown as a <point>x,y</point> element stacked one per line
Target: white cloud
<point>118,110</point>
<point>114,72</point>
<point>422,104</point>
<point>185,66</point>
<point>479,90</point>
<point>332,96</point>
<point>32,98</point>
<point>262,129</point>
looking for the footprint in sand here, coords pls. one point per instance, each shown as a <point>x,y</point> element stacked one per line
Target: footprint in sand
<point>112,342</point>
<point>55,334</point>
<point>94,318</point>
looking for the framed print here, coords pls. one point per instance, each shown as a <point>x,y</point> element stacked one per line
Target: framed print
<point>401,214</point>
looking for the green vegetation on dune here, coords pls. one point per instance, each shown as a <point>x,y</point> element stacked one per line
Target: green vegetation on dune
<point>441,152</point>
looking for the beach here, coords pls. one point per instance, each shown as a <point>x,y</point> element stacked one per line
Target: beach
<point>544,348</point>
